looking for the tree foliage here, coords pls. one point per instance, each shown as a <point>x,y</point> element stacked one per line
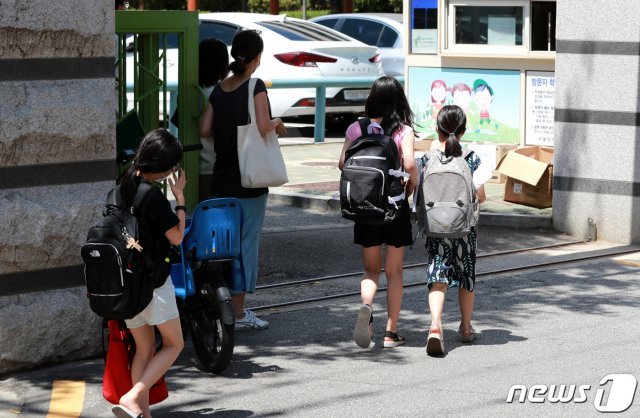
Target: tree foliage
<point>262,6</point>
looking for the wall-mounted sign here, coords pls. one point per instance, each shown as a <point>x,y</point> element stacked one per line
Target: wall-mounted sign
<point>501,31</point>
<point>540,108</point>
<point>424,27</point>
<point>489,98</point>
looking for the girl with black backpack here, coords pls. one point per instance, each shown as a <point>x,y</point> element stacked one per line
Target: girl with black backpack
<point>157,158</point>
<point>388,108</point>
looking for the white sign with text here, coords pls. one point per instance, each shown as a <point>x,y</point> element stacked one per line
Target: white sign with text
<point>540,108</point>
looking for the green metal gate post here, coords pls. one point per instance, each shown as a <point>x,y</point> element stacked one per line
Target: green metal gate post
<point>150,77</point>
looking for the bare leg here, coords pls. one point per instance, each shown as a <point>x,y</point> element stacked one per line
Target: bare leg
<point>145,340</point>
<point>466,300</point>
<point>172,345</point>
<point>372,257</point>
<point>363,331</point>
<point>238,304</point>
<point>436,304</point>
<point>393,271</point>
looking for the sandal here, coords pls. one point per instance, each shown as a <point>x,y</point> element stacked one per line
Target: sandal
<point>124,412</point>
<point>466,336</point>
<point>396,340</point>
<point>363,331</point>
<point>435,342</point>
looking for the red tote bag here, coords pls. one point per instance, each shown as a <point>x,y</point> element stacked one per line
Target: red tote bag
<point>117,371</point>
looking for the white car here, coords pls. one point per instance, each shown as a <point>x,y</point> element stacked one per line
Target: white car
<point>383,30</point>
<point>293,49</point>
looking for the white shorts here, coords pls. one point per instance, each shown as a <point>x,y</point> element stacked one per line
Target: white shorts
<point>162,307</point>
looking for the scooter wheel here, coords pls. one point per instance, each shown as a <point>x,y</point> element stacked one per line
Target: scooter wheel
<point>213,340</point>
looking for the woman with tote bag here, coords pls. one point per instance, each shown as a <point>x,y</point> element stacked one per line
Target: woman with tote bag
<point>226,111</point>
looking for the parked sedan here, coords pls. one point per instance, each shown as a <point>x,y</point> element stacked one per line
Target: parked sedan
<point>295,49</point>
<point>383,30</point>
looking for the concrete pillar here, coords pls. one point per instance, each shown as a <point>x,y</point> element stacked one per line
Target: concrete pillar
<point>57,148</point>
<point>597,144</point>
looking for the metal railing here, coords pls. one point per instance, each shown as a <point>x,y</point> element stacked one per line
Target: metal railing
<point>320,84</point>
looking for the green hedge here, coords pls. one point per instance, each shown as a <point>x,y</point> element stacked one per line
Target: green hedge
<point>310,13</point>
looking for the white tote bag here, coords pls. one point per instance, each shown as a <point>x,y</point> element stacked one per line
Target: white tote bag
<point>261,162</point>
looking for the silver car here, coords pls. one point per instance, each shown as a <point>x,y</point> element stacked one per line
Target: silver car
<point>383,30</point>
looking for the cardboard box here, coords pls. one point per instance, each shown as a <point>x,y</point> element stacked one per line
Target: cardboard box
<point>501,151</point>
<point>490,154</point>
<point>423,145</point>
<point>529,172</point>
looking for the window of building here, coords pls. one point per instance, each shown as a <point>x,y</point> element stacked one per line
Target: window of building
<point>543,25</point>
<point>488,26</point>
<point>500,26</point>
<point>424,27</point>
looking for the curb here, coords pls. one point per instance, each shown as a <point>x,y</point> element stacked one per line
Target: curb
<point>305,201</point>
<point>325,203</point>
<point>515,220</point>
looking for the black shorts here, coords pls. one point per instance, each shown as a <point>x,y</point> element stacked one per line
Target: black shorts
<point>396,233</point>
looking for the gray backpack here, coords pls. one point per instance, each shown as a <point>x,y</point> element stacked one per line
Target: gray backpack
<point>447,203</point>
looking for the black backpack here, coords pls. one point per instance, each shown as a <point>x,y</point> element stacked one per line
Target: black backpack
<point>371,188</point>
<point>118,270</point>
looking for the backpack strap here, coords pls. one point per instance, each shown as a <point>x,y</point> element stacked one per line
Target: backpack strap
<point>114,198</point>
<point>364,125</point>
<point>143,188</point>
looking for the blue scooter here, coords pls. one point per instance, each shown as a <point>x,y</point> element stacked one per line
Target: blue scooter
<point>210,262</point>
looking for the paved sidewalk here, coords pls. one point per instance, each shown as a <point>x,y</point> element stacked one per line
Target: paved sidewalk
<point>314,182</point>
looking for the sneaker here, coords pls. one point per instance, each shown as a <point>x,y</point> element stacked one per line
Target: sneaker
<point>250,321</point>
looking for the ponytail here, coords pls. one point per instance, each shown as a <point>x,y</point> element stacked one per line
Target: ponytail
<point>451,122</point>
<point>452,147</point>
<point>239,66</point>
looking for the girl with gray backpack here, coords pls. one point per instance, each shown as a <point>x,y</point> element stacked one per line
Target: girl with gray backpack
<point>450,195</point>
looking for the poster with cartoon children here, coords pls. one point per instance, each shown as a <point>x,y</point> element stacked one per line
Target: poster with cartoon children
<point>490,99</point>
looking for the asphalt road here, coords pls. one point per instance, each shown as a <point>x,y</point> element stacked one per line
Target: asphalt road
<point>562,325</point>
<point>302,243</point>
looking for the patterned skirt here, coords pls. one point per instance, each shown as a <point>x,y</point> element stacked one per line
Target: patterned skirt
<point>452,261</point>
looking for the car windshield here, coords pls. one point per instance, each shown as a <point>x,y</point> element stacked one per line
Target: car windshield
<point>298,31</point>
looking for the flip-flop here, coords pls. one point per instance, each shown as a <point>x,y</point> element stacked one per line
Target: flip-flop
<point>124,412</point>
<point>362,331</point>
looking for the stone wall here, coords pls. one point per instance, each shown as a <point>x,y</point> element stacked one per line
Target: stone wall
<point>597,152</point>
<point>57,148</point>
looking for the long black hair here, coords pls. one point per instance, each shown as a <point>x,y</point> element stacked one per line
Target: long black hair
<point>387,101</point>
<point>214,61</point>
<point>158,152</point>
<point>452,124</point>
<point>246,45</point>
